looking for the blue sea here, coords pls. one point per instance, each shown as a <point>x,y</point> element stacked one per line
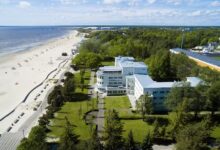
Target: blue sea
<point>15,39</point>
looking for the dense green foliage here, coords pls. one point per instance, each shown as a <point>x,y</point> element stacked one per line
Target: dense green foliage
<point>193,136</point>
<point>35,141</point>
<point>89,60</point>
<point>142,43</point>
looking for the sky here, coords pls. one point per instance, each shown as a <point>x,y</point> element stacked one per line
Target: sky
<point>110,12</point>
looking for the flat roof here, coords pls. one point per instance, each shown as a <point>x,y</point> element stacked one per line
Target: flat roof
<point>201,57</point>
<point>110,68</point>
<point>147,82</point>
<point>144,80</point>
<point>133,64</point>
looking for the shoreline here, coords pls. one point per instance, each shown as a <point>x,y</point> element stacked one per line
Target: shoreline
<point>31,78</point>
<point>7,56</point>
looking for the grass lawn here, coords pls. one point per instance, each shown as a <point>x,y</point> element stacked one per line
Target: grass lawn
<point>122,105</point>
<point>108,63</point>
<point>138,127</point>
<point>216,133</point>
<point>86,82</point>
<point>71,111</point>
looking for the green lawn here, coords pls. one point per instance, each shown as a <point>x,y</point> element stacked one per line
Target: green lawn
<point>86,82</point>
<point>72,111</point>
<point>122,105</point>
<point>138,127</point>
<point>216,132</point>
<point>108,63</point>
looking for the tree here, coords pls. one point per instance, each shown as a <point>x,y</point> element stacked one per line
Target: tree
<point>145,105</point>
<point>69,89</point>
<point>95,143</point>
<point>113,131</point>
<point>69,140</point>
<point>87,60</point>
<point>160,67</point>
<point>148,142</point>
<point>35,141</point>
<point>193,137</point>
<point>214,97</point>
<point>131,144</point>
<point>177,94</point>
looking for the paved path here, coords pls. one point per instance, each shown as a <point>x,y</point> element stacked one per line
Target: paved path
<point>100,117</point>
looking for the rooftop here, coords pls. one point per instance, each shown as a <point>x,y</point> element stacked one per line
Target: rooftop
<point>120,58</point>
<point>147,82</point>
<point>132,64</point>
<point>110,68</point>
<point>144,80</point>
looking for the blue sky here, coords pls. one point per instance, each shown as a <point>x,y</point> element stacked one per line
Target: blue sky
<point>110,12</point>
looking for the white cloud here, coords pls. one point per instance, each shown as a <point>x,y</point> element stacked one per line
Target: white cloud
<point>72,2</point>
<point>151,1</point>
<point>215,3</point>
<point>24,4</point>
<point>113,1</point>
<point>174,2</point>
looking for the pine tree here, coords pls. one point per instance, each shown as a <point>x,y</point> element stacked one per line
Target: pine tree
<point>147,143</point>
<point>131,144</point>
<point>95,143</point>
<point>69,140</point>
<point>113,130</point>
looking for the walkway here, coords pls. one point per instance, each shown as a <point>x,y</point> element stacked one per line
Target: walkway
<point>100,117</point>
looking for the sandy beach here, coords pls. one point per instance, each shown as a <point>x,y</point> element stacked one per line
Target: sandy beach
<point>22,72</point>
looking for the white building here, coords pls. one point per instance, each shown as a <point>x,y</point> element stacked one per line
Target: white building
<point>138,85</point>
<point>131,78</point>
<point>111,80</point>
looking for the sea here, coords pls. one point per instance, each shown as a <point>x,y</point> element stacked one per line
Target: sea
<point>16,39</point>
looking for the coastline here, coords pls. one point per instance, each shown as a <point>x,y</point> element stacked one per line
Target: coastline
<point>8,56</point>
<point>25,70</point>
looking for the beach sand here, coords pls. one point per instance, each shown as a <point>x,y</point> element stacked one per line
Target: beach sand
<point>21,72</point>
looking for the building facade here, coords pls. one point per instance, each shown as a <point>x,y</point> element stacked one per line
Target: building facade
<point>131,78</point>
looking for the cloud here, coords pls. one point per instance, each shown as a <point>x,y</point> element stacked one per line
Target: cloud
<point>174,2</point>
<point>24,4</point>
<point>72,2</point>
<point>113,1</point>
<point>151,1</point>
<point>215,3</point>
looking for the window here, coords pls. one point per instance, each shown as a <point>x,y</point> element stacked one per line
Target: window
<point>154,92</point>
<point>161,92</point>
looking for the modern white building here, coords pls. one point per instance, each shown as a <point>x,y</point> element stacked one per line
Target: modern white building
<point>111,80</point>
<point>138,85</point>
<point>131,78</point>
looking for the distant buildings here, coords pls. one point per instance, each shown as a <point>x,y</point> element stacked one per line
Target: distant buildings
<point>131,78</point>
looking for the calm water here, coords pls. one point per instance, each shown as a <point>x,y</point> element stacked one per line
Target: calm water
<point>15,39</point>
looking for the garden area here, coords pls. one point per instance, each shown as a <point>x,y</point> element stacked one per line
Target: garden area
<point>74,111</point>
<point>131,120</point>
